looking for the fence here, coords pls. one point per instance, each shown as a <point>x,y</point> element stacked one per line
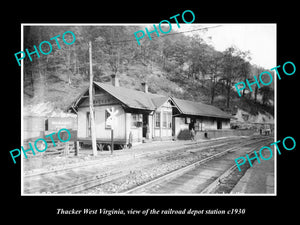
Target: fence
<point>61,149</point>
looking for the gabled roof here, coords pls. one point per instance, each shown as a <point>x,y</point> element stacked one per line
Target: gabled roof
<point>148,101</point>
<point>159,101</point>
<point>133,98</point>
<point>199,109</point>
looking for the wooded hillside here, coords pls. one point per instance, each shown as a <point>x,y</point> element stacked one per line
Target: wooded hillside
<point>173,64</point>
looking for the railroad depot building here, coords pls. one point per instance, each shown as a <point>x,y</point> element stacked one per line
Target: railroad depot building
<point>143,116</point>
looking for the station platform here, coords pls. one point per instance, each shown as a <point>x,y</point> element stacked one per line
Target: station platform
<point>258,179</point>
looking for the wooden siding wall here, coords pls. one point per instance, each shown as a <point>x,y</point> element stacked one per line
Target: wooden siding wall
<point>137,132</point>
<point>101,131</point>
<point>226,124</point>
<point>161,132</point>
<point>207,123</point>
<point>180,125</point>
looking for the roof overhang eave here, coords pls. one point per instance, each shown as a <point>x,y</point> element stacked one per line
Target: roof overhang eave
<point>207,115</point>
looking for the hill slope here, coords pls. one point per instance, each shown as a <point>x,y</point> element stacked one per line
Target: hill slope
<point>177,65</point>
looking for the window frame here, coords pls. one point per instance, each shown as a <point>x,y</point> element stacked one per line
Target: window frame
<point>169,120</point>
<point>135,118</point>
<point>157,119</point>
<point>164,120</point>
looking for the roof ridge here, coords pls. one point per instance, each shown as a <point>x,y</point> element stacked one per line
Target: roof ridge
<point>141,99</point>
<point>134,90</point>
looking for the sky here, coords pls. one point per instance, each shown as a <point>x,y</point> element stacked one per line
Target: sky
<point>259,39</point>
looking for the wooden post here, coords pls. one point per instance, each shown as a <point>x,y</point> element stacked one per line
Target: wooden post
<point>112,140</point>
<point>93,128</point>
<point>76,146</point>
<point>66,149</point>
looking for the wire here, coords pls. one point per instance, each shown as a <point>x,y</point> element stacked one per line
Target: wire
<point>203,28</point>
<point>191,30</point>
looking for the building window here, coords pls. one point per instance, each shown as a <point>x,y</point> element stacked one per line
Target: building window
<point>136,120</point>
<point>157,119</point>
<point>170,121</point>
<point>164,120</point>
<point>198,125</point>
<point>167,119</point>
<point>187,120</point>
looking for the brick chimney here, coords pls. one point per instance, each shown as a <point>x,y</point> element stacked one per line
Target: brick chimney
<point>145,87</point>
<point>115,80</point>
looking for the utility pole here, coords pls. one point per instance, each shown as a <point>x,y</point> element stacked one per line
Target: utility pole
<point>93,128</point>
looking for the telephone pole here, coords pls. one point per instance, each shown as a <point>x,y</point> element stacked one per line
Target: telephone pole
<point>93,128</point>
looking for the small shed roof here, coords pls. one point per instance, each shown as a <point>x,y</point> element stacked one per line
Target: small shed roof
<point>199,109</point>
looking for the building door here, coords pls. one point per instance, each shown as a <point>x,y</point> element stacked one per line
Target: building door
<point>146,128</point>
<point>192,124</point>
<point>219,124</point>
<point>173,126</point>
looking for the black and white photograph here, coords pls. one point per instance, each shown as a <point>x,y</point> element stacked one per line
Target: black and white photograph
<point>105,113</point>
<point>131,111</point>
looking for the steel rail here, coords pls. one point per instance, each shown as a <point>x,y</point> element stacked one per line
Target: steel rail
<point>210,188</point>
<point>96,180</point>
<point>136,155</point>
<point>184,169</point>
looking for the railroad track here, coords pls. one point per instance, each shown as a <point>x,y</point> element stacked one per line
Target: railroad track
<point>62,169</point>
<point>201,177</point>
<point>79,181</point>
<point>129,178</point>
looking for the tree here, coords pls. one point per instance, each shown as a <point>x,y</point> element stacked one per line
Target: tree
<point>234,68</point>
<point>214,63</point>
<point>256,71</point>
<point>267,94</point>
<point>197,58</point>
<point>245,70</point>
